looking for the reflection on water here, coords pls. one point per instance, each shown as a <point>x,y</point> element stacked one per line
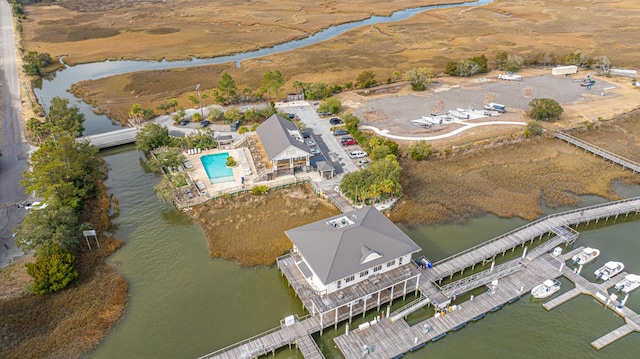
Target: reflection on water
<point>184,304</point>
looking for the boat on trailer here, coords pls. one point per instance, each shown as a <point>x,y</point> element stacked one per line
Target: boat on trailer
<point>609,270</point>
<point>586,256</point>
<point>629,283</point>
<point>547,288</point>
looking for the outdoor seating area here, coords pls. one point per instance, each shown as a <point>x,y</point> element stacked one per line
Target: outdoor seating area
<point>257,153</point>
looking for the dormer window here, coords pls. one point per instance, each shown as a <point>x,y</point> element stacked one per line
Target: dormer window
<point>368,255</point>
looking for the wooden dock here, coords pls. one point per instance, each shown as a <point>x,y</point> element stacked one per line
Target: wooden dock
<point>387,339</point>
<point>609,156</point>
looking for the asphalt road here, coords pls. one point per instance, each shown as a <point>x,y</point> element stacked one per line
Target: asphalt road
<point>15,149</point>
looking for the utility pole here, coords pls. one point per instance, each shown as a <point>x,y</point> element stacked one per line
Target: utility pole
<point>200,100</point>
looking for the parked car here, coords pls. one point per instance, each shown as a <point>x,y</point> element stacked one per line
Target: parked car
<point>350,142</point>
<point>363,163</point>
<point>315,151</point>
<point>340,132</point>
<point>205,123</point>
<point>291,116</point>
<point>235,125</point>
<point>357,154</point>
<point>184,122</point>
<point>335,121</point>
<point>311,143</point>
<point>325,113</point>
<point>305,134</point>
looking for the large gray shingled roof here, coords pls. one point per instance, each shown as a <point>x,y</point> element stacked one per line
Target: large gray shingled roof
<point>275,137</point>
<point>335,253</point>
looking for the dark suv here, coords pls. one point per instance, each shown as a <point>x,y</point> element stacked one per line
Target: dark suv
<point>235,125</point>
<point>335,121</point>
<point>340,132</point>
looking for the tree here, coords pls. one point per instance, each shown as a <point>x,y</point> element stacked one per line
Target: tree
<point>247,93</point>
<point>366,79</point>
<point>64,119</point>
<point>152,136</point>
<point>197,117</point>
<point>136,114</point>
<point>501,60</point>
<point>173,103</point>
<point>420,150</point>
<point>545,109</point>
<point>165,157</point>
<point>215,114</point>
<point>195,101</point>
<point>534,128</point>
<point>251,114</point>
<point>272,80</point>
<point>48,227</point>
<point>577,59</point>
<point>39,129</point>
<point>514,63</point>
<point>481,62</point>
<point>52,271</point>
<point>381,178</point>
<point>602,65</point>
<point>34,62</point>
<point>232,115</point>
<point>331,104</point>
<point>65,172</point>
<point>165,189</point>
<point>164,106</point>
<point>419,78</point>
<point>254,127</point>
<point>243,130</point>
<point>227,86</point>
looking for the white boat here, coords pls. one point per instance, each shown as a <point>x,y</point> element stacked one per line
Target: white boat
<point>629,283</point>
<point>587,255</point>
<point>609,270</point>
<point>545,289</point>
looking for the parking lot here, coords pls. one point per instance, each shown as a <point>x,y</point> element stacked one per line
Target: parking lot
<point>320,131</point>
<point>396,112</point>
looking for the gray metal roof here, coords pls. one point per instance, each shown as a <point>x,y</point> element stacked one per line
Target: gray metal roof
<point>335,253</point>
<point>275,135</point>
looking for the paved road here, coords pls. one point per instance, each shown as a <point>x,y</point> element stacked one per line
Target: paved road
<point>14,148</point>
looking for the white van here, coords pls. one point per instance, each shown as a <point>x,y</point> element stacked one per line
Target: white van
<point>357,154</point>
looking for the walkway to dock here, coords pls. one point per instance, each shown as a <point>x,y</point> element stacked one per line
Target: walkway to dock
<point>557,224</point>
<point>113,138</point>
<point>635,167</point>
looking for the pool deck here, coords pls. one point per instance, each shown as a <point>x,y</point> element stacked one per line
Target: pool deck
<point>198,173</point>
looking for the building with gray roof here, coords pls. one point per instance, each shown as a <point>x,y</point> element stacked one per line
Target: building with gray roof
<point>284,145</point>
<point>349,248</point>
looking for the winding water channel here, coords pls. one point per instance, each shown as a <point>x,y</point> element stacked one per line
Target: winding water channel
<point>184,304</point>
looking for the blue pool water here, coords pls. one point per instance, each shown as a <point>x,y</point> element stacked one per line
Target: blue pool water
<point>216,167</point>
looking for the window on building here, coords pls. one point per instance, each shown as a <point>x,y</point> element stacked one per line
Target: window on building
<point>339,284</point>
<point>364,273</point>
<point>400,261</point>
<point>349,278</point>
<point>390,263</point>
<point>377,268</point>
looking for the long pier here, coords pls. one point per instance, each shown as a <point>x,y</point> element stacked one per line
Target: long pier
<point>113,138</point>
<point>609,156</point>
<point>388,339</point>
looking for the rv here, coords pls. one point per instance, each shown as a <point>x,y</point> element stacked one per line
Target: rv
<point>495,107</point>
<point>564,70</point>
<point>510,77</point>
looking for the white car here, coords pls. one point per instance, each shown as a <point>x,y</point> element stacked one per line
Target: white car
<point>311,143</point>
<point>315,151</point>
<point>357,154</point>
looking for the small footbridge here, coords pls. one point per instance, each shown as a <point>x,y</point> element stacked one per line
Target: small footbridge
<point>609,156</point>
<point>112,139</point>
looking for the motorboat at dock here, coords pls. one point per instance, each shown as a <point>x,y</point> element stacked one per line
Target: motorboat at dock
<point>547,288</point>
<point>609,270</point>
<point>586,256</point>
<point>628,284</point>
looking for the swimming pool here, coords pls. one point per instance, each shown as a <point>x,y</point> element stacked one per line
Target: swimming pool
<point>216,167</point>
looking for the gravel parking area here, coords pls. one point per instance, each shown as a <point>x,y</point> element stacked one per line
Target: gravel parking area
<point>396,112</point>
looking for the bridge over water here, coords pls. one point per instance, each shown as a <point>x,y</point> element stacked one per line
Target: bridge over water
<point>112,139</point>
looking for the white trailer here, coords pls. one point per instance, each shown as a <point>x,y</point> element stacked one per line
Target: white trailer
<point>510,77</point>
<point>564,70</point>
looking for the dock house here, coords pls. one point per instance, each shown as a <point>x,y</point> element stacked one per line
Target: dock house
<point>350,248</point>
<point>284,146</point>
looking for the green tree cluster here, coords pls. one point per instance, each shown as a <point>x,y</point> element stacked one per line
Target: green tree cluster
<point>272,81</point>
<point>545,109</point>
<point>34,62</point>
<point>420,150</point>
<point>331,104</point>
<point>153,136</point>
<point>419,78</point>
<point>366,79</point>
<point>468,67</point>
<point>378,181</point>
<point>534,128</point>
<point>66,174</point>
<point>52,271</point>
